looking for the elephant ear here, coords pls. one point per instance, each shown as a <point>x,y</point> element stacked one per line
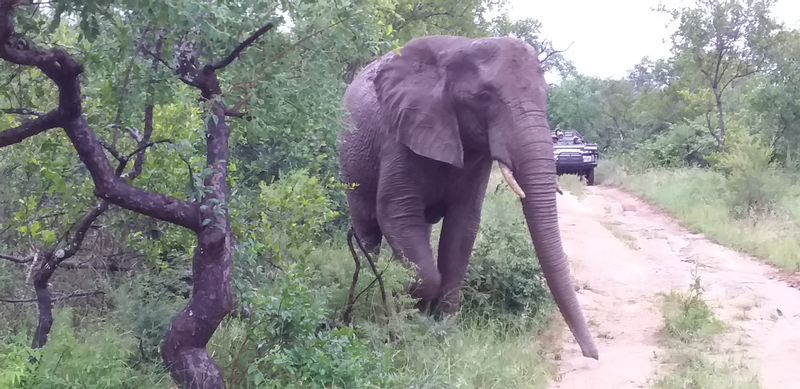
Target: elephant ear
<point>410,87</point>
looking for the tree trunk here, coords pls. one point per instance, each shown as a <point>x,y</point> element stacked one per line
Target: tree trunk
<point>721,116</point>
<point>44,300</point>
<point>184,350</point>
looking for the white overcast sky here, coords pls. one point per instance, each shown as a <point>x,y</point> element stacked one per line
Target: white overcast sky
<point>609,37</point>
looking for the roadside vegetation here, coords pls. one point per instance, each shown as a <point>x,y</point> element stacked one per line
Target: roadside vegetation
<point>689,339</point>
<point>738,210</point>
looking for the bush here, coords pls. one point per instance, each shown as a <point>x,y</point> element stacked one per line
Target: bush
<point>146,306</point>
<point>754,184</point>
<point>99,359</point>
<point>287,340</point>
<point>610,171</point>
<point>295,214</point>
<point>504,275</point>
<point>683,145</point>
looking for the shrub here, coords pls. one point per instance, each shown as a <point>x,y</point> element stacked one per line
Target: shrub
<point>504,275</point>
<point>295,214</point>
<point>287,339</point>
<point>687,317</point>
<point>610,171</point>
<point>146,306</point>
<point>683,145</point>
<point>99,359</point>
<point>755,186</point>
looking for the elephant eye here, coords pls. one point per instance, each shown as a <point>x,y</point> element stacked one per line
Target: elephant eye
<point>484,96</point>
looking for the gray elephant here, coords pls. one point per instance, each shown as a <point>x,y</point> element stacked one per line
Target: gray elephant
<point>424,126</point>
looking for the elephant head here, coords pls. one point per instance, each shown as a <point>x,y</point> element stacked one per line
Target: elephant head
<point>450,98</point>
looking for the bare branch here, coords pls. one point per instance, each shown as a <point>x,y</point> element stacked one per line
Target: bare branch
<point>57,298</point>
<point>30,128</point>
<point>157,57</point>
<point>738,76</point>
<point>134,133</point>
<point>241,47</point>
<point>144,141</point>
<point>81,228</point>
<point>113,151</point>
<point>555,52</point>
<point>22,111</point>
<point>303,39</point>
<point>147,145</point>
<point>15,259</point>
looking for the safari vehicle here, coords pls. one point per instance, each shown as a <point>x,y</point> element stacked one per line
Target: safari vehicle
<point>573,155</point>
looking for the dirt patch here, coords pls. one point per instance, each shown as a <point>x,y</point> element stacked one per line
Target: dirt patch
<point>624,285</point>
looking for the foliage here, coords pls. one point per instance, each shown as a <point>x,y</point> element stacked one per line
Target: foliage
<point>504,276</point>
<point>755,186</point>
<point>89,358</point>
<point>296,212</point>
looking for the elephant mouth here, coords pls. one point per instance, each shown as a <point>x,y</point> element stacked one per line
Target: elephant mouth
<point>508,175</point>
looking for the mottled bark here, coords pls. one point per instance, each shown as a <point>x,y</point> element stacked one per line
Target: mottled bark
<point>47,265</point>
<point>184,350</point>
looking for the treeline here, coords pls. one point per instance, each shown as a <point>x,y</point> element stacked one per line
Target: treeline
<point>710,133</point>
<point>733,74</point>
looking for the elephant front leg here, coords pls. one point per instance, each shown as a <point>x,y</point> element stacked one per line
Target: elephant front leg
<point>459,230</point>
<point>403,224</point>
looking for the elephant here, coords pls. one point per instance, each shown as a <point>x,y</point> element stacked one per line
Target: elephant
<point>424,125</point>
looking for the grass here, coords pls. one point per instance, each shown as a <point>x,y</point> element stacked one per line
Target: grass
<point>573,184</point>
<point>472,355</point>
<point>697,197</point>
<point>690,328</point>
<point>621,234</point>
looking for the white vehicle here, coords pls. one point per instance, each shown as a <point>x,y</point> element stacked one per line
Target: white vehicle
<point>573,155</point>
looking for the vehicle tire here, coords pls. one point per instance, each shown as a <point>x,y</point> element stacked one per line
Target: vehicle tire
<point>590,177</point>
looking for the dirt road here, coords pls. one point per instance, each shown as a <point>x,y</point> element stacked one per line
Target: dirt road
<point>626,254</point>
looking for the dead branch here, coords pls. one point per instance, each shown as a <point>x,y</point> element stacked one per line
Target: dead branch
<point>241,47</point>
<point>293,46</point>
<point>16,259</point>
<point>56,298</point>
<point>21,111</point>
<point>30,128</point>
<point>554,52</point>
<point>347,316</point>
<point>378,275</point>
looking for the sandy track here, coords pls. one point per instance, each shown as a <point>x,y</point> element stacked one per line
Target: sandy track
<point>626,254</point>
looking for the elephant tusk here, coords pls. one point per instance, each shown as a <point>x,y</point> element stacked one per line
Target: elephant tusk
<point>509,177</point>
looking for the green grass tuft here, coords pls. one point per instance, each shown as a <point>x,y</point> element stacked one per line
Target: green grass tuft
<point>573,184</point>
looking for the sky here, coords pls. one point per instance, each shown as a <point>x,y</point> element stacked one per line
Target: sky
<point>607,38</point>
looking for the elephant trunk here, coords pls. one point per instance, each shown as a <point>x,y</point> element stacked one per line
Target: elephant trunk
<point>534,170</point>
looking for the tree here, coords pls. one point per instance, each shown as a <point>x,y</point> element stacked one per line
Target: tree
<point>184,350</point>
<point>777,97</point>
<point>725,41</point>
